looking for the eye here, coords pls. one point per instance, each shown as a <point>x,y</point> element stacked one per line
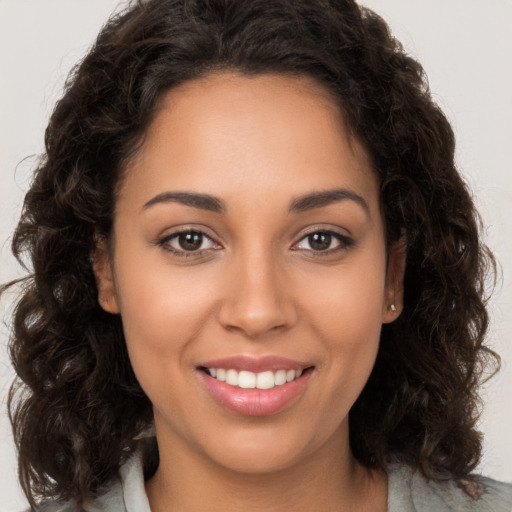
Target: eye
<point>188,242</point>
<point>323,241</point>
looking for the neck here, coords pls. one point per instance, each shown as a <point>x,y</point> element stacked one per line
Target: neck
<point>329,479</point>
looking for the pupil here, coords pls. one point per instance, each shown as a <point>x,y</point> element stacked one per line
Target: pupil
<point>320,241</point>
<point>190,241</point>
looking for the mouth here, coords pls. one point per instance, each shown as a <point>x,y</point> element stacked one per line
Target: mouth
<point>246,379</point>
<point>255,387</point>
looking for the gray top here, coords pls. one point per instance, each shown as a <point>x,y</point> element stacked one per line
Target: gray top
<point>408,491</point>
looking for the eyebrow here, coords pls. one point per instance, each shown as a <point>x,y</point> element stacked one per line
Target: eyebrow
<point>299,204</point>
<point>202,201</point>
<point>325,198</point>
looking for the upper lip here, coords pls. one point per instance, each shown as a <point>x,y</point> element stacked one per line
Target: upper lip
<point>255,364</point>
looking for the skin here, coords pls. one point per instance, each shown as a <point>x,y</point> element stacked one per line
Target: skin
<point>256,288</point>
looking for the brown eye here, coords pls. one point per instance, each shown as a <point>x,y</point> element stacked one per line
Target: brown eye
<point>320,241</point>
<point>190,241</point>
<point>323,241</point>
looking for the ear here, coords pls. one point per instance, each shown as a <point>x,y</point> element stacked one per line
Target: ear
<point>393,303</point>
<point>102,267</point>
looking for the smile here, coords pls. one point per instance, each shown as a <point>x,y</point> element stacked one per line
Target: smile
<point>250,380</point>
<point>255,386</point>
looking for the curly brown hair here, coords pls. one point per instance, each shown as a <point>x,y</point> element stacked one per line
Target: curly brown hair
<point>76,407</point>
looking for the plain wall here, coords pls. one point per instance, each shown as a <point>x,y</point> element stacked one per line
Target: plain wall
<point>466,49</point>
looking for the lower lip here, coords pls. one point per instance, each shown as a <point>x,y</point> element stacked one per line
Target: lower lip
<point>255,402</point>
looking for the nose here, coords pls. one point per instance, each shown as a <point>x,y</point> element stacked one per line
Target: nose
<point>257,300</point>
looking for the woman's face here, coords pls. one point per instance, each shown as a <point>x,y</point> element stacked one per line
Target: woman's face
<point>249,246</point>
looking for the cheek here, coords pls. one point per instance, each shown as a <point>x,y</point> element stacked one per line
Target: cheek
<point>347,301</point>
<point>162,309</point>
<point>341,313</point>
<point>162,313</point>
<point>345,311</point>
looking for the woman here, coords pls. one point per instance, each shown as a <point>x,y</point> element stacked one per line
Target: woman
<point>234,244</point>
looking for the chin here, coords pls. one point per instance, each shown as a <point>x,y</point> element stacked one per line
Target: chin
<point>270,451</point>
<point>260,462</point>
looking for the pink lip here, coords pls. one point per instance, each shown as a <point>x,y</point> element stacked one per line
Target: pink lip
<point>255,402</point>
<point>255,364</point>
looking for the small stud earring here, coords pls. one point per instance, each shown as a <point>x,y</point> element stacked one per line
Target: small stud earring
<point>392,308</point>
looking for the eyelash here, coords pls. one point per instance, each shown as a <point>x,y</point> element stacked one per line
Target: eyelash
<point>164,242</point>
<point>344,243</point>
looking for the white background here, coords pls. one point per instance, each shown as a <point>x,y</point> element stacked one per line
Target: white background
<point>466,49</point>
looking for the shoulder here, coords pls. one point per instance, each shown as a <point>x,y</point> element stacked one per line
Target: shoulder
<point>110,500</point>
<point>410,491</point>
<point>125,494</point>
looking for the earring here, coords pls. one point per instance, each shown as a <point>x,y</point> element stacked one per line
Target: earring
<point>392,308</point>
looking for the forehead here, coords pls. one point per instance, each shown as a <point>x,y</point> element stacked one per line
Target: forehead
<point>229,133</point>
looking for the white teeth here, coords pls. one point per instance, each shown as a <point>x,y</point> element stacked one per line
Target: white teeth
<point>280,377</point>
<point>250,380</point>
<point>246,380</point>
<point>265,380</point>
<point>232,377</point>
